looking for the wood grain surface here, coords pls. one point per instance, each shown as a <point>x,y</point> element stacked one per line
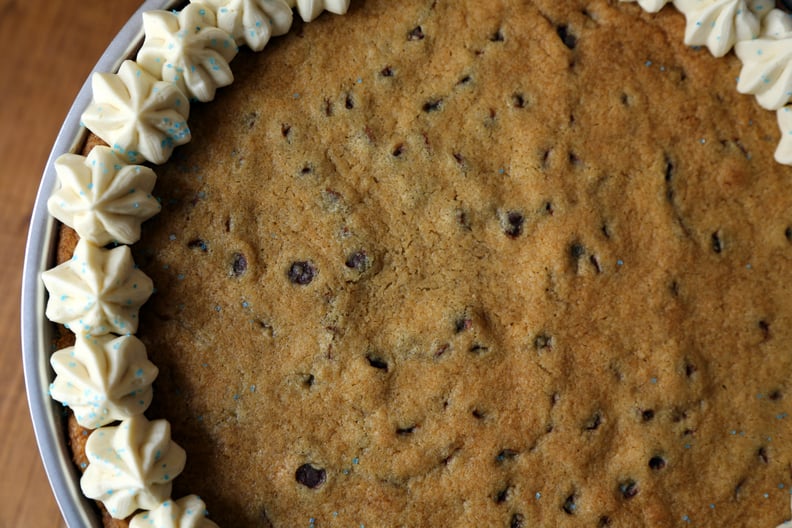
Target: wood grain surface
<point>49,48</point>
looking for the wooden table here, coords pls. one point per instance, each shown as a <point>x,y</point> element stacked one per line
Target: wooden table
<point>49,48</point>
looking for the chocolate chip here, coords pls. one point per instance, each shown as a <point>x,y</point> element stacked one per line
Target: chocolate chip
<point>377,362</point>
<point>462,324</point>
<point>432,105</point>
<point>657,463</point>
<point>302,273</point>
<point>309,476</point>
<point>387,71</point>
<point>569,505</point>
<point>514,224</point>
<point>762,454</point>
<point>285,130</point>
<point>576,250</point>
<point>569,40</point>
<point>308,380</point>
<point>788,233</point>
<point>238,265</point>
<point>497,36</point>
<point>690,369</point>
<point>404,431</point>
<point>764,326</point>
<point>349,103</point>
<point>518,100</point>
<point>478,414</point>
<point>503,495</point>
<point>604,521</point>
<point>628,489</point>
<point>478,348</point>
<point>506,454</point>
<point>464,80</point>
<point>717,243</point>
<point>543,341</point>
<point>738,489</point>
<point>416,34</point>
<point>358,261</point>
<point>517,521</point>
<point>594,422</point>
<point>197,244</point>
<point>776,395</point>
<point>398,150</point>
<point>648,415</point>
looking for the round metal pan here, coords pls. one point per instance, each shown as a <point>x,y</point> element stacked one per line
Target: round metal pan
<point>47,415</point>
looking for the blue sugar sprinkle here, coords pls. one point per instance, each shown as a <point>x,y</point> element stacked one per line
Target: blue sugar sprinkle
<point>686,518</point>
<point>712,506</point>
<point>648,63</point>
<point>620,262</point>
<point>653,381</point>
<point>538,495</point>
<point>356,460</point>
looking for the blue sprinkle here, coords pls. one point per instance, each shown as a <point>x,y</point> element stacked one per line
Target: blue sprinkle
<point>648,63</point>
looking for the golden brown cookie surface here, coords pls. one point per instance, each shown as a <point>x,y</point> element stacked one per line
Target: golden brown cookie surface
<point>477,263</point>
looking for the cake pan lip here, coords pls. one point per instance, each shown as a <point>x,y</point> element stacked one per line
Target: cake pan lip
<point>36,331</point>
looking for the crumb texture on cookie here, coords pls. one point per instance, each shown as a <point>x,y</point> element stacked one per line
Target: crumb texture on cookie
<point>544,284</point>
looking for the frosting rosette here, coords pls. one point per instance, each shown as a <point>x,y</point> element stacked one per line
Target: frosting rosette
<point>97,291</point>
<point>188,49</point>
<point>103,379</point>
<point>131,466</point>
<point>651,6</point>
<point>252,22</point>
<point>310,9</point>
<point>767,63</point>
<point>720,24</point>
<point>187,512</point>
<point>102,198</point>
<point>137,114</point>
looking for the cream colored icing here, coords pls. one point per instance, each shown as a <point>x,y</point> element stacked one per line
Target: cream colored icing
<point>97,291</point>
<point>252,22</point>
<point>138,115</point>
<point>719,24</point>
<point>131,466</point>
<point>767,63</point>
<point>103,379</point>
<point>188,49</point>
<point>777,25</point>
<point>783,153</point>
<point>651,6</point>
<point>310,9</point>
<point>102,198</point>
<point>187,512</point>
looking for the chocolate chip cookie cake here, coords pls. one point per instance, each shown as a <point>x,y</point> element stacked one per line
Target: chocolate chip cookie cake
<point>471,263</point>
